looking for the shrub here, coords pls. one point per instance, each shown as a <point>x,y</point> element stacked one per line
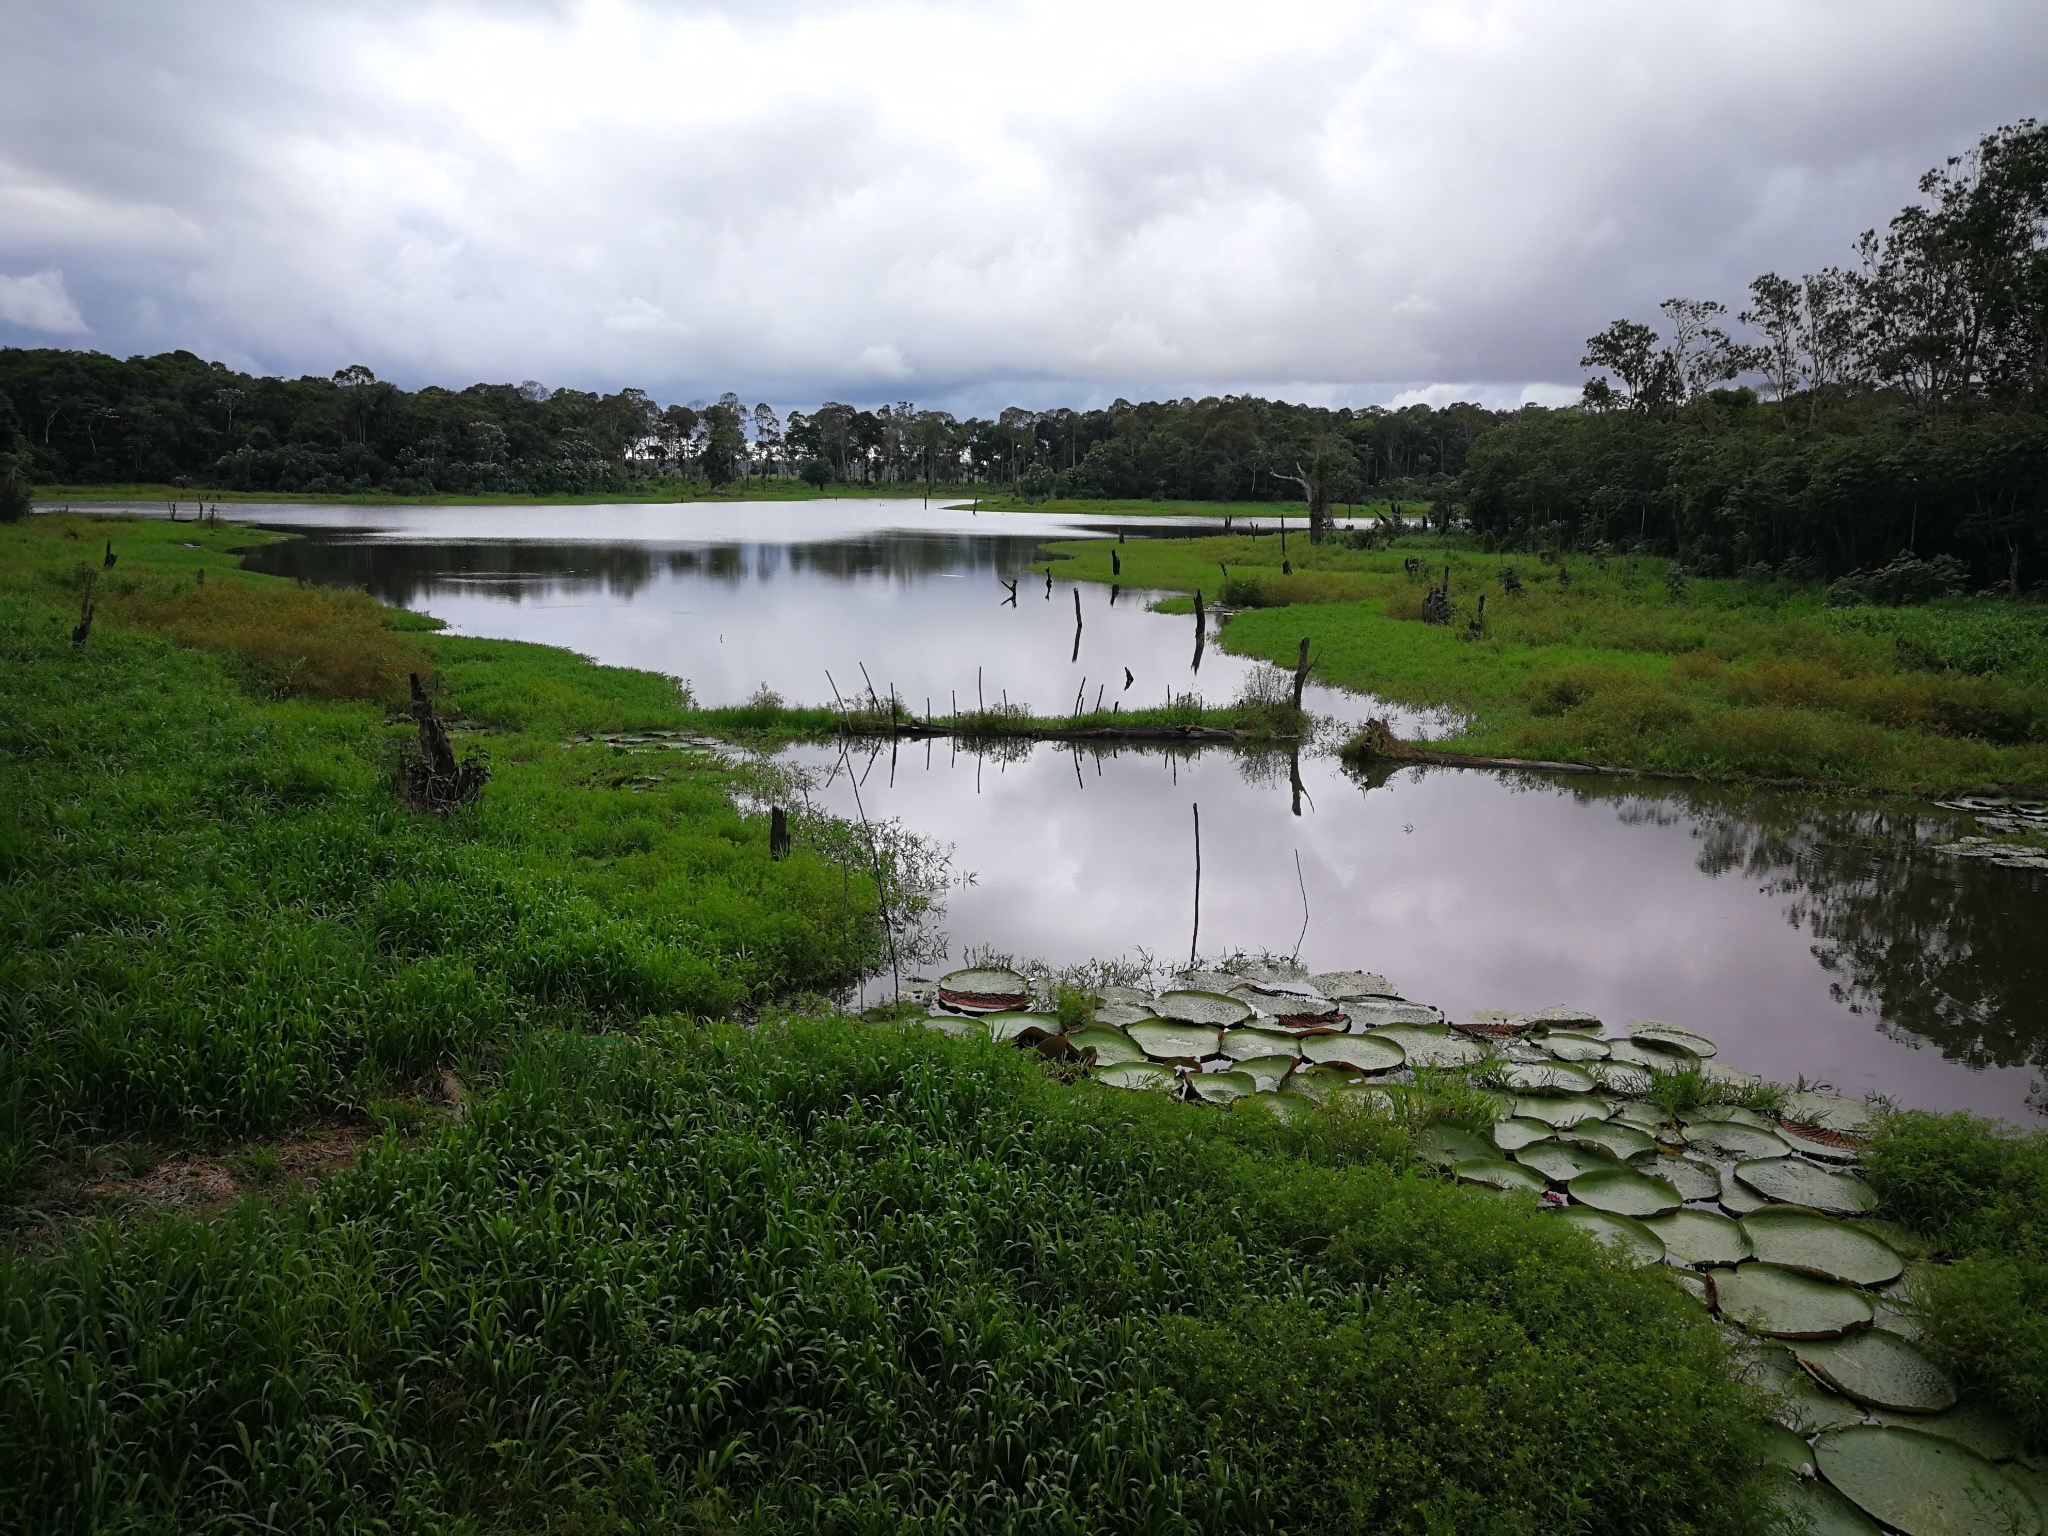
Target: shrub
<point>1905,581</point>
<point>1244,592</point>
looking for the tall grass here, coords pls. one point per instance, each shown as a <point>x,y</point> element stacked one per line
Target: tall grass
<point>823,1278</point>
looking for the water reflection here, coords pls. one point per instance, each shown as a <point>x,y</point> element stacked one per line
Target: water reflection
<point>1807,939</point>
<point>740,597</point>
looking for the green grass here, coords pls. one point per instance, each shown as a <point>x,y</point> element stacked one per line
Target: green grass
<point>1732,681</point>
<point>1264,513</point>
<point>1978,1191</point>
<point>833,1278</point>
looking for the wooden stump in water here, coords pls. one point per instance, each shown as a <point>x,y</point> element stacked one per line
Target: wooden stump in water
<point>778,833</point>
<point>1301,671</point>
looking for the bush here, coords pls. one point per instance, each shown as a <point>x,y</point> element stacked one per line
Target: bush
<point>816,473</point>
<point>1244,592</point>
<point>1906,581</point>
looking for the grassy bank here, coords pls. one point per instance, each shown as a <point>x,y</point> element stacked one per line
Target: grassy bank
<point>1264,513</point>
<point>1724,679</point>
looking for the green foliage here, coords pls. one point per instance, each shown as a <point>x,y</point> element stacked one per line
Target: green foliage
<point>1977,1190</point>
<point>816,473</point>
<point>833,1277</point>
<point>1073,1006</point>
<point>1905,581</point>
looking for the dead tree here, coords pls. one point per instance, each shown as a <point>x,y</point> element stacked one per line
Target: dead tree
<point>82,630</point>
<point>1476,627</point>
<point>1302,668</point>
<point>432,780</point>
<point>107,562</point>
<point>778,833</point>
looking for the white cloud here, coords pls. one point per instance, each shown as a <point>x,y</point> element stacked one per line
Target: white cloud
<point>39,302</point>
<point>1495,397</point>
<point>1075,197</point>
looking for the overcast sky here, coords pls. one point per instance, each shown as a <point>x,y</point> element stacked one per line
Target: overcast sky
<point>965,205</point>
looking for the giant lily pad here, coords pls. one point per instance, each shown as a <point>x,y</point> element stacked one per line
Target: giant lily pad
<point>1123,995</point>
<point>1976,1424</point>
<point>1207,981</point>
<point>1120,1015</point>
<point>1558,1016</point>
<point>1622,1191</point>
<point>1361,1098</point>
<point>1171,1040</point>
<point>1544,1077</point>
<point>1111,1046</point>
<point>1693,1180</point>
<point>1497,1173</point>
<point>1373,1012</point>
<point>1788,1305</point>
<point>1211,1008</point>
<point>1425,1046</point>
<point>1923,1485</point>
<point>1879,1369</point>
<point>959,1029</point>
<point>1644,1117</point>
<point>1783,1448</point>
<point>983,989</point>
<point>1796,1398</point>
<point>1568,1046</point>
<point>1731,1139</point>
<point>1819,1142</point>
<point>1793,1182</point>
<point>1138,1074</point>
<point>1641,1030</point>
<point>1515,1133</point>
<point>1734,1113</point>
<point>1561,1164</point>
<point>1562,1110</point>
<point>1318,1083</point>
<point>1630,1239</point>
<point>1447,1145</point>
<point>1700,1237</point>
<point>1244,1044</point>
<point>1021,1027</point>
<point>1290,1108</point>
<point>1821,1509</point>
<point>1619,1141</point>
<point>1222,1087</point>
<point>1367,1053</point>
<point>1657,1055</point>
<point>1737,1198</point>
<point>1830,1110</point>
<point>1269,1072</point>
<point>1821,1245</point>
<point>1351,986</point>
<point>1725,1076</point>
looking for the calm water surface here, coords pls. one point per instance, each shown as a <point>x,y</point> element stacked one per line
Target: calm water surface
<point>1807,936</point>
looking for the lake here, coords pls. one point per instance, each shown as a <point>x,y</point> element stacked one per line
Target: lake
<point>1809,936</point>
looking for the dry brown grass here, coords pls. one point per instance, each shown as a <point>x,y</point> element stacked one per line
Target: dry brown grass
<point>296,641</point>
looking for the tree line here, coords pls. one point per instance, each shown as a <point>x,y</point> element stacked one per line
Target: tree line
<point>1893,405</point>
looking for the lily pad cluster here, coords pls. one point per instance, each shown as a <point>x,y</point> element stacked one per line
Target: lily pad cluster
<point>1764,1218</point>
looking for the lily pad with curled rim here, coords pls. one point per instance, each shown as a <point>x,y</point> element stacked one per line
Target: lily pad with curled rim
<point>1671,1034</point>
<point>1616,1140</point>
<point>1371,1013</point>
<point>1821,1509</point>
<point>1211,1008</point>
<point>1568,1046</point>
<point>1784,1448</point>
<point>1793,1182</point>
<point>1560,1163</point>
<point>1821,1245</point>
<point>1830,1110</point>
<point>1731,1113</point>
<point>1514,1133</point>
<point>1786,1304</point>
<point>1498,1173</point>
<point>1123,1015</point>
<point>1738,1199</point>
<point>1431,1047</point>
<point>1133,995</point>
<point>1290,1108</point>
<point>1560,1017</point>
<point>1222,1087</point>
<point>1622,1191</point>
<point>1923,1485</point>
<point>1207,981</point>
<point>1544,1077</point>
<point>1722,1075</point>
<point>1148,1075</point>
<point>1630,1239</point>
<point>983,989</point>
<point>1693,1179</point>
<point>1644,1117</point>
<point>1366,1053</point>
<point>1694,1286</point>
<point>1361,1098</point>
<point>1112,1047</point>
<point>1351,986</point>
<point>1445,1145</point>
<point>1269,1072</point>
<point>1318,1083</point>
<point>1656,1055</point>
<point>1974,1423</point>
<point>1728,1139</point>
<point>958,1028</point>
<point>1172,1040</point>
<point>1562,1110</point>
<point>1879,1370</point>
<point>1244,1044</point>
<point>1700,1237</point>
<point>1818,1142</point>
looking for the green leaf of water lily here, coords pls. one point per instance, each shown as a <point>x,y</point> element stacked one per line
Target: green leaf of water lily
<point>1622,1191</point>
<point>1497,1173</point>
<point>1172,1040</point>
<point>1700,1237</point>
<point>1138,1074</point>
<point>1881,1370</point>
<point>1630,1238</point>
<point>1786,1304</point>
<point>1821,1245</point>
<point>1792,1182</point>
<point>1924,1485</point>
<point>1111,1046</point>
<point>1368,1053</point>
<point>1211,1008</point>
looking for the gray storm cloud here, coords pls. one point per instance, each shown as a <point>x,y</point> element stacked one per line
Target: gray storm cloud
<point>878,200</point>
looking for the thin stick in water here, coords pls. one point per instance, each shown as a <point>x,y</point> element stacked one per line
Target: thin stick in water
<point>1195,936</point>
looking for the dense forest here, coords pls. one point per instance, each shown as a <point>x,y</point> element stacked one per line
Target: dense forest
<point>1858,413</point>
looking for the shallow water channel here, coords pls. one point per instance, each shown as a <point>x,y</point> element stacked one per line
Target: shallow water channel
<point>1809,937</point>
